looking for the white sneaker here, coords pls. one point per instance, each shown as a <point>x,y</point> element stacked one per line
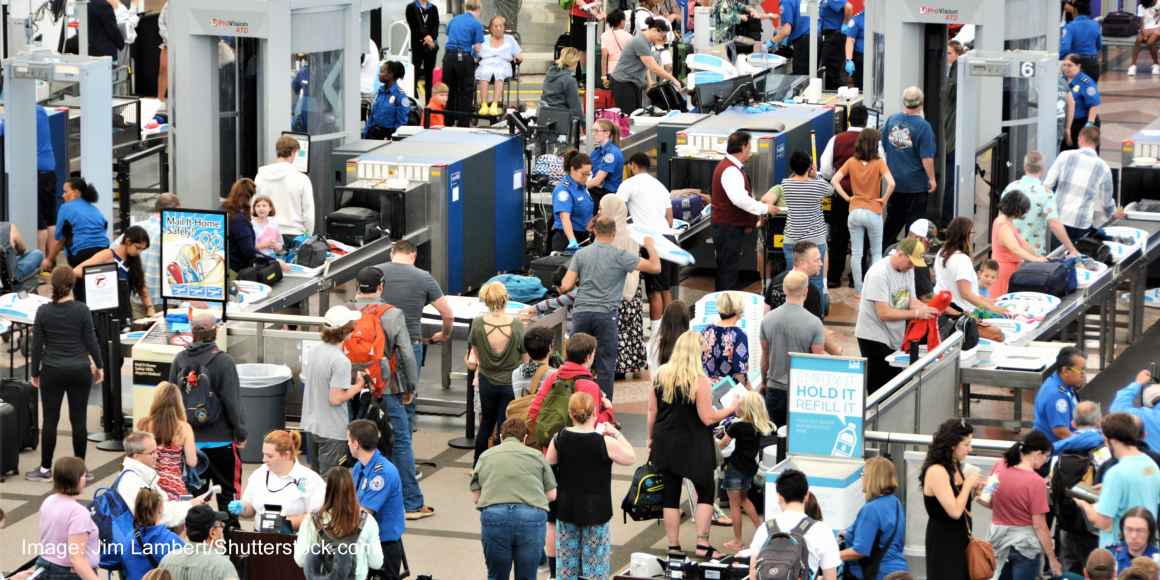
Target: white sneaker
<point>1132,71</point>
<point>1156,69</point>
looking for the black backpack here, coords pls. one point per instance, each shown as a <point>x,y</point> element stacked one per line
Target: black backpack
<point>202,403</point>
<point>774,294</point>
<point>785,555</point>
<point>312,253</point>
<point>1070,469</point>
<point>332,558</point>
<point>1056,277</point>
<point>1096,250</point>
<point>365,406</point>
<point>645,497</point>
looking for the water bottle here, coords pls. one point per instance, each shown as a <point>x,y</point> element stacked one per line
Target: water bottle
<point>846,442</point>
<point>990,487</point>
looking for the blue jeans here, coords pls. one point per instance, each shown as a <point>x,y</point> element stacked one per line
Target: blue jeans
<point>863,221</point>
<point>512,533</point>
<point>1020,567</point>
<point>402,456</point>
<point>29,264</point>
<point>603,327</point>
<point>420,357</point>
<point>817,280</point>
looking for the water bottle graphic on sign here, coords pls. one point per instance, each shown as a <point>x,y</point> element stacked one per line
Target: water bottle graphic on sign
<point>846,442</point>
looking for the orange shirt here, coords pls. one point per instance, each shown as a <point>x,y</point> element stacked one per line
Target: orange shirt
<point>866,181</point>
<point>436,119</point>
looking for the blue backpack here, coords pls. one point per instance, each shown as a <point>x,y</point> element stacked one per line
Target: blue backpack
<point>114,522</point>
<point>526,289</point>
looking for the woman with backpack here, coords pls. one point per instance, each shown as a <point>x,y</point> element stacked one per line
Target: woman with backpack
<point>151,539</point>
<point>66,360</point>
<point>584,497</point>
<point>69,540</point>
<point>680,436</point>
<point>176,446</point>
<point>340,540</point>
<point>1018,503</point>
<point>874,541</point>
<point>497,339</point>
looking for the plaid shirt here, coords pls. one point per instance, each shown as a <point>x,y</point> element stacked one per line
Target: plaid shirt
<point>1083,188</point>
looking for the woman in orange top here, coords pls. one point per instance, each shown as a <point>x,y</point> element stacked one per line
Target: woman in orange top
<point>866,169</point>
<point>1007,246</point>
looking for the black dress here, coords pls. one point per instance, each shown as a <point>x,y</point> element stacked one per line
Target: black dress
<point>681,443</point>
<point>585,490</point>
<point>946,540</point>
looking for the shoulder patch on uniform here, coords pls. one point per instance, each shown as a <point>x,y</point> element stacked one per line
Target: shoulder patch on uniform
<point>377,483</point>
<point>563,196</point>
<point>609,158</point>
<point>1091,91</point>
<point>1060,405</point>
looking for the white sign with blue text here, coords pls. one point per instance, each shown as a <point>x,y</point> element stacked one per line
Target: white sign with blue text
<point>827,401</point>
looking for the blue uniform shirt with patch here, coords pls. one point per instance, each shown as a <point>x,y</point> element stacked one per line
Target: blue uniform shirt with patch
<point>1054,406</point>
<point>463,33</point>
<point>609,158</point>
<point>1081,36</point>
<point>856,28</point>
<point>380,491</point>
<point>1124,557</point>
<point>85,223</point>
<point>791,14</point>
<point>573,198</point>
<point>389,110</point>
<point>832,14</point>
<point>1085,93</point>
<point>45,156</point>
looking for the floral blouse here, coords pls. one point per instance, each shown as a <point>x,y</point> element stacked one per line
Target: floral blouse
<point>725,351</point>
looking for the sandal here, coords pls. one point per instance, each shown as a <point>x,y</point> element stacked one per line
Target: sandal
<point>706,551</point>
<point>676,551</point>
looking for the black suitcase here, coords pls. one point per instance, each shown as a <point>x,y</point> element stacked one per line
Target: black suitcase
<point>666,96</point>
<point>551,269</point>
<point>354,226</point>
<point>20,426</point>
<point>1120,23</point>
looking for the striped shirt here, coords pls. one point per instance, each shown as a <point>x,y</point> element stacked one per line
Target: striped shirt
<point>1083,188</point>
<point>804,221</point>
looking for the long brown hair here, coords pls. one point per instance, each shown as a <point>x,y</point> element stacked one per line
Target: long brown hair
<point>240,195</point>
<point>166,414</point>
<point>340,504</point>
<point>63,280</point>
<point>866,147</point>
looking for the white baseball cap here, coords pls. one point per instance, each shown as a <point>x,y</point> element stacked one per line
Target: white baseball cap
<point>920,227</point>
<point>340,316</point>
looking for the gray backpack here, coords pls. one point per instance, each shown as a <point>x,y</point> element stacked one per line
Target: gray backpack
<point>785,555</point>
<point>333,558</point>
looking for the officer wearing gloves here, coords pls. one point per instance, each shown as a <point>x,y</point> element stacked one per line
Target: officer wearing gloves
<point>282,492</point>
<point>572,205</point>
<point>854,31</point>
<point>833,15</point>
<point>795,34</point>
<point>1140,398</point>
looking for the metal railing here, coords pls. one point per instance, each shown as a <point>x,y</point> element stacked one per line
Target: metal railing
<point>922,395</point>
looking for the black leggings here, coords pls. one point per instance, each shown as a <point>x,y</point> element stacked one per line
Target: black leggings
<point>675,483</point>
<point>493,402</point>
<point>55,383</point>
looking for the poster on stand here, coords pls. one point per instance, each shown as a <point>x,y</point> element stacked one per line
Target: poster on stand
<point>753,309</point>
<point>101,290</point>
<point>193,255</point>
<point>827,405</point>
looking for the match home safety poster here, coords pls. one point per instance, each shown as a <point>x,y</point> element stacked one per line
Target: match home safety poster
<point>193,255</point>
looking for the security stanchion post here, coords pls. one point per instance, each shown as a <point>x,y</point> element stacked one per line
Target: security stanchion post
<point>468,439</point>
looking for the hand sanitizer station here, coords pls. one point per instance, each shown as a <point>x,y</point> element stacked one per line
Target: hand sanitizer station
<point>825,434</point>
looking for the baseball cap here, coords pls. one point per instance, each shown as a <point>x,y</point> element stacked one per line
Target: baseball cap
<point>369,279</point>
<point>914,250</point>
<point>921,228</point>
<point>340,316</point>
<point>200,519</point>
<point>912,97</point>
<point>1151,394</point>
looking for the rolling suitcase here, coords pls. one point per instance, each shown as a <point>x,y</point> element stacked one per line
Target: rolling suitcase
<point>20,426</point>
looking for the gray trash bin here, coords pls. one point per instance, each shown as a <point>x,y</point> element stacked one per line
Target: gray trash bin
<point>263,394</point>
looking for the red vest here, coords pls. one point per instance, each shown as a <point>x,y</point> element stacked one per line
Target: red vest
<point>724,212</point>
<point>843,150</point>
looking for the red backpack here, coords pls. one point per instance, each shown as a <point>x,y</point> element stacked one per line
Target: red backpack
<point>366,346</point>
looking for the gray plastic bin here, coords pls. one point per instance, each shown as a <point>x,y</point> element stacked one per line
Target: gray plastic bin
<point>263,394</point>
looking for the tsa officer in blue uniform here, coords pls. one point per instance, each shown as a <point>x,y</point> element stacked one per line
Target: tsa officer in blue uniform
<point>854,32</point>
<point>795,33</point>
<point>390,109</point>
<point>572,205</point>
<point>1082,36</point>
<point>607,161</point>
<point>833,14</point>
<point>464,38</point>
<point>1056,400</point>
<point>379,491</point>
<point>1086,95</point>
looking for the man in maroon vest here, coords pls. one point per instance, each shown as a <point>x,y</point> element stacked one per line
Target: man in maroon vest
<point>838,150</point>
<point>735,211</point>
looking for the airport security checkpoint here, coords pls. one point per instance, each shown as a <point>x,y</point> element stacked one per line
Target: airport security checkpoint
<point>637,289</point>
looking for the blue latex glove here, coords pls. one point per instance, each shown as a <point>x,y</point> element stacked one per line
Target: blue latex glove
<point>572,246</point>
<point>850,67</point>
<point>772,46</point>
<point>235,507</point>
<point>847,30</point>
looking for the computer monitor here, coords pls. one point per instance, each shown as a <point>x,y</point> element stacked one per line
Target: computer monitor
<point>716,97</point>
<point>779,87</point>
<point>873,118</point>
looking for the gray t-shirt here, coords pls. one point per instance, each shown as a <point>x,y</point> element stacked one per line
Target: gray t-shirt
<point>409,289</point>
<point>326,367</point>
<point>788,328</point>
<point>601,269</point>
<point>630,69</point>
<point>884,284</point>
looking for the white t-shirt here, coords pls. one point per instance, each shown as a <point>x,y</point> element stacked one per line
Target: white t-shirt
<point>301,491</point>
<point>647,199</point>
<point>884,284</point>
<point>947,275</point>
<point>820,541</point>
<point>1149,17</point>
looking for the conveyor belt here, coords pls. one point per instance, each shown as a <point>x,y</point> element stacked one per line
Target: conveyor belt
<point>293,290</point>
<point>1137,357</point>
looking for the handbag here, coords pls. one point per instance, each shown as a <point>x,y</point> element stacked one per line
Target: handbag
<point>264,270</point>
<point>981,561</point>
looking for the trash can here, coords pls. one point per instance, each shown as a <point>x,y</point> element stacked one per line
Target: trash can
<point>263,394</point>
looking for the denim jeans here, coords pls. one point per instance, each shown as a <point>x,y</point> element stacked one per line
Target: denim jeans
<point>512,533</point>
<point>818,280</point>
<point>29,264</point>
<point>402,456</point>
<point>864,221</point>
<point>603,327</point>
<point>1020,567</point>
<point>420,357</point>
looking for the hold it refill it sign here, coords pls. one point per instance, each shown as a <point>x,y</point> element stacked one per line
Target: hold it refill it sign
<point>827,404</point>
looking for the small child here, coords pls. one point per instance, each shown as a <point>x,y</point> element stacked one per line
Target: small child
<point>437,104</point>
<point>988,271</point>
<point>751,425</point>
<point>267,236</point>
<point>527,377</point>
